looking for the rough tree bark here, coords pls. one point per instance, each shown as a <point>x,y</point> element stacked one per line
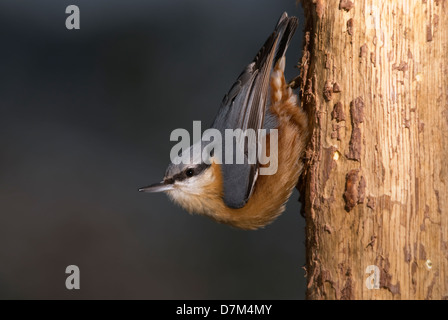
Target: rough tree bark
<point>375,75</point>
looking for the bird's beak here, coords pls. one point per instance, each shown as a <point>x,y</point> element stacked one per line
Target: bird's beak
<point>157,187</point>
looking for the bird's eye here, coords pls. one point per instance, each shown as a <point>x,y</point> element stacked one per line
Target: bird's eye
<point>189,172</point>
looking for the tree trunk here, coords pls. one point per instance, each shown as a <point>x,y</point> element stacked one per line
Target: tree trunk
<point>374,76</point>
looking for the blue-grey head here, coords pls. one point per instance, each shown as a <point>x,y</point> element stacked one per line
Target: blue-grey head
<point>184,174</point>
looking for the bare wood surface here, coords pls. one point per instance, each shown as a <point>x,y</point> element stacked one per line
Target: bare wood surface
<point>375,190</point>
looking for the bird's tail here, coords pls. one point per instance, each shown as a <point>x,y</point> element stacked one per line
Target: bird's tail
<point>277,42</point>
<point>286,26</point>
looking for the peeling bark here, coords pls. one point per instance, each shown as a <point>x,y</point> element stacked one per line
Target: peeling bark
<point>374,79</point>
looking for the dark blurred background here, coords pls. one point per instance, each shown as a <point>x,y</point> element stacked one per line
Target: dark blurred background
<point>85,119</point>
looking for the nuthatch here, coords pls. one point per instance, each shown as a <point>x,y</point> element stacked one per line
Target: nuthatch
<point>236,194</point>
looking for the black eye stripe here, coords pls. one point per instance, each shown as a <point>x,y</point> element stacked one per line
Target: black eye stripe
<point>183,175</point>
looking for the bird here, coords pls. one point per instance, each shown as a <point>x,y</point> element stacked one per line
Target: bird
<point>237,194</point>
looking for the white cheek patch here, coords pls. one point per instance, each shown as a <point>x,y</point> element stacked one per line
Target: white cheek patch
<point>192,185</point>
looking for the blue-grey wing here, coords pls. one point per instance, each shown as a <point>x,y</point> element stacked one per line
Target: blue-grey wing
<point>244,107</point>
